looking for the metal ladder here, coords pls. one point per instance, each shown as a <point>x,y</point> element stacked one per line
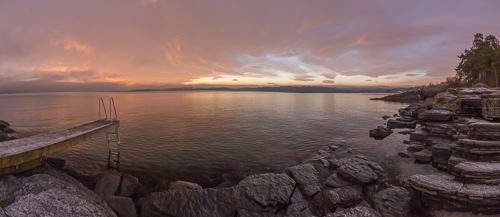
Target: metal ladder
<point>113,150</point>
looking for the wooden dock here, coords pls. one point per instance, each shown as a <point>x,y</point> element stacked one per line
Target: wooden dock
<point>27,153</point>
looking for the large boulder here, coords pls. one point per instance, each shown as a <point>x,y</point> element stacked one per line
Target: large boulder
<point>380,132</point>
<point>359,170</point>
<point>182,185</point>
<point>123,206</point>
<point>392,202</point>
<point>356,211</point>
<point>46,195</point>
<point>268,189</point>
<point>306,177</point>
<point>190,203</point>
<point>432,91</point>
<point>108,184</point>
<point>436,115</point>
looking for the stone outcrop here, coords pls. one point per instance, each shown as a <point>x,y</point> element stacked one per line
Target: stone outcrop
<point>460,136</point>
<point>327,185</point>
<point>380,132</point>
<point>5,130</point>
<point>49,192</point>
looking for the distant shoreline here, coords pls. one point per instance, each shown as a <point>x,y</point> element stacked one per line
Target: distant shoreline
<point>289,89</point>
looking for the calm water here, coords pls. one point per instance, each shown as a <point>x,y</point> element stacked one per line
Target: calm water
<point>204,136</point>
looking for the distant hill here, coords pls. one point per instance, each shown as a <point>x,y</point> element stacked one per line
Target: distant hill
<point>294,89</point>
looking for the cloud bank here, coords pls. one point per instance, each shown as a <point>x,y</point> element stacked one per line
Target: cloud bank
<point>286,42</point>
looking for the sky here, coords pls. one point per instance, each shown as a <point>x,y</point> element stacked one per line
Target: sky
<point>95,45</point>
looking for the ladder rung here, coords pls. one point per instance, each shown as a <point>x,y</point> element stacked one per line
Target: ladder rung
<point>115,153</point>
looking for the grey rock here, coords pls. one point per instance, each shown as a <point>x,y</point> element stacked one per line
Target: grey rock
<point>343,196</point>
<point>360,170</point>
<point>55,162</point>
<point>419,135</point>
<point>380,132</point>
<point>4,137</point>
<point>435,115</point>
<point>191,203</point>
<point>44,195</point>
<point>182,185</point>
<point>336,181</point>
<point>306,177</point>
<point>268,189</point>
<point>299,206</point>
<point>405,154</point>
<point>415,147</point>
<point>123,206</point>
<point>8,130</point>
<point>424,155</point>
<point>392,202</point>
<point>478,170</point>
<point>128,185</point>
<point>357,211</point>
<point>478,147</point>
<point>107,184</point>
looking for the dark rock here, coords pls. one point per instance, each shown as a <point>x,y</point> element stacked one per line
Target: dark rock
<point>436,115</point>
<point>343,196</point>
<point>406,132</point>
<point>419,135</point>
<point>380,132</point>
<point>392,202</point>
<point>306,177</point>
<point>128,185</point>
<point>478,147</point>
<point>123,206</point>
<point>55,162</point>
<point>396,123</point>
<point>491,108</point>
<point>9,130</point>
<point>405,154</point>
<point>336,181</point>
<point>108,184</point>
<point>191,203</point>
<point>182,185</point>
<point>432,91</point>
<point>45,195</point>
<point>4,137</point>
<point>12,137</point>
<point>299,206</point>
<point>469,106</point>
<point>2,122</point>
<point>423,156</point>
<point>415,147</point>
<point>360,170</point>
<point>385,117</point>
<point>357,211</point>
<point>268,189</point>
<point>410,96</point>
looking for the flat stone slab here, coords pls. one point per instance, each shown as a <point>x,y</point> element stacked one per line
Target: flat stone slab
<point>419,135</point>
<point>445,188</point>
<point>484,128</point>
<point>478,147</point>
<point>436,115</point>
<point>306,177</point>
<point>424,155</point>
<point>360,170</point>
<point>478,170</point>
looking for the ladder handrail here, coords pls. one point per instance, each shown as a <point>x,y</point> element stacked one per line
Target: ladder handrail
<point>114,107</point>
<point>104,108</point>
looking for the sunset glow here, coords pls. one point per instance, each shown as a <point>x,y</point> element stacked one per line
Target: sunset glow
<point>47,45</point>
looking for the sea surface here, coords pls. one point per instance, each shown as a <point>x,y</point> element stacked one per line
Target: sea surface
<point>209,137</point>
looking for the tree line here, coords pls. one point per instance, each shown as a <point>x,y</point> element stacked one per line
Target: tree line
<point>481,62</point>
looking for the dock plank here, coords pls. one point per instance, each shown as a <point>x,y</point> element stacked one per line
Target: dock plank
<point>25,150</point>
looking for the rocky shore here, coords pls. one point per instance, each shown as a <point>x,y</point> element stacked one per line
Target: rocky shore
<point>334,183</point>
<point>458,132</point>
<point>5,130</point>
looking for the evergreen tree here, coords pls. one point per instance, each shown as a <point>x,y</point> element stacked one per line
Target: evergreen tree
<point>481,62</point>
